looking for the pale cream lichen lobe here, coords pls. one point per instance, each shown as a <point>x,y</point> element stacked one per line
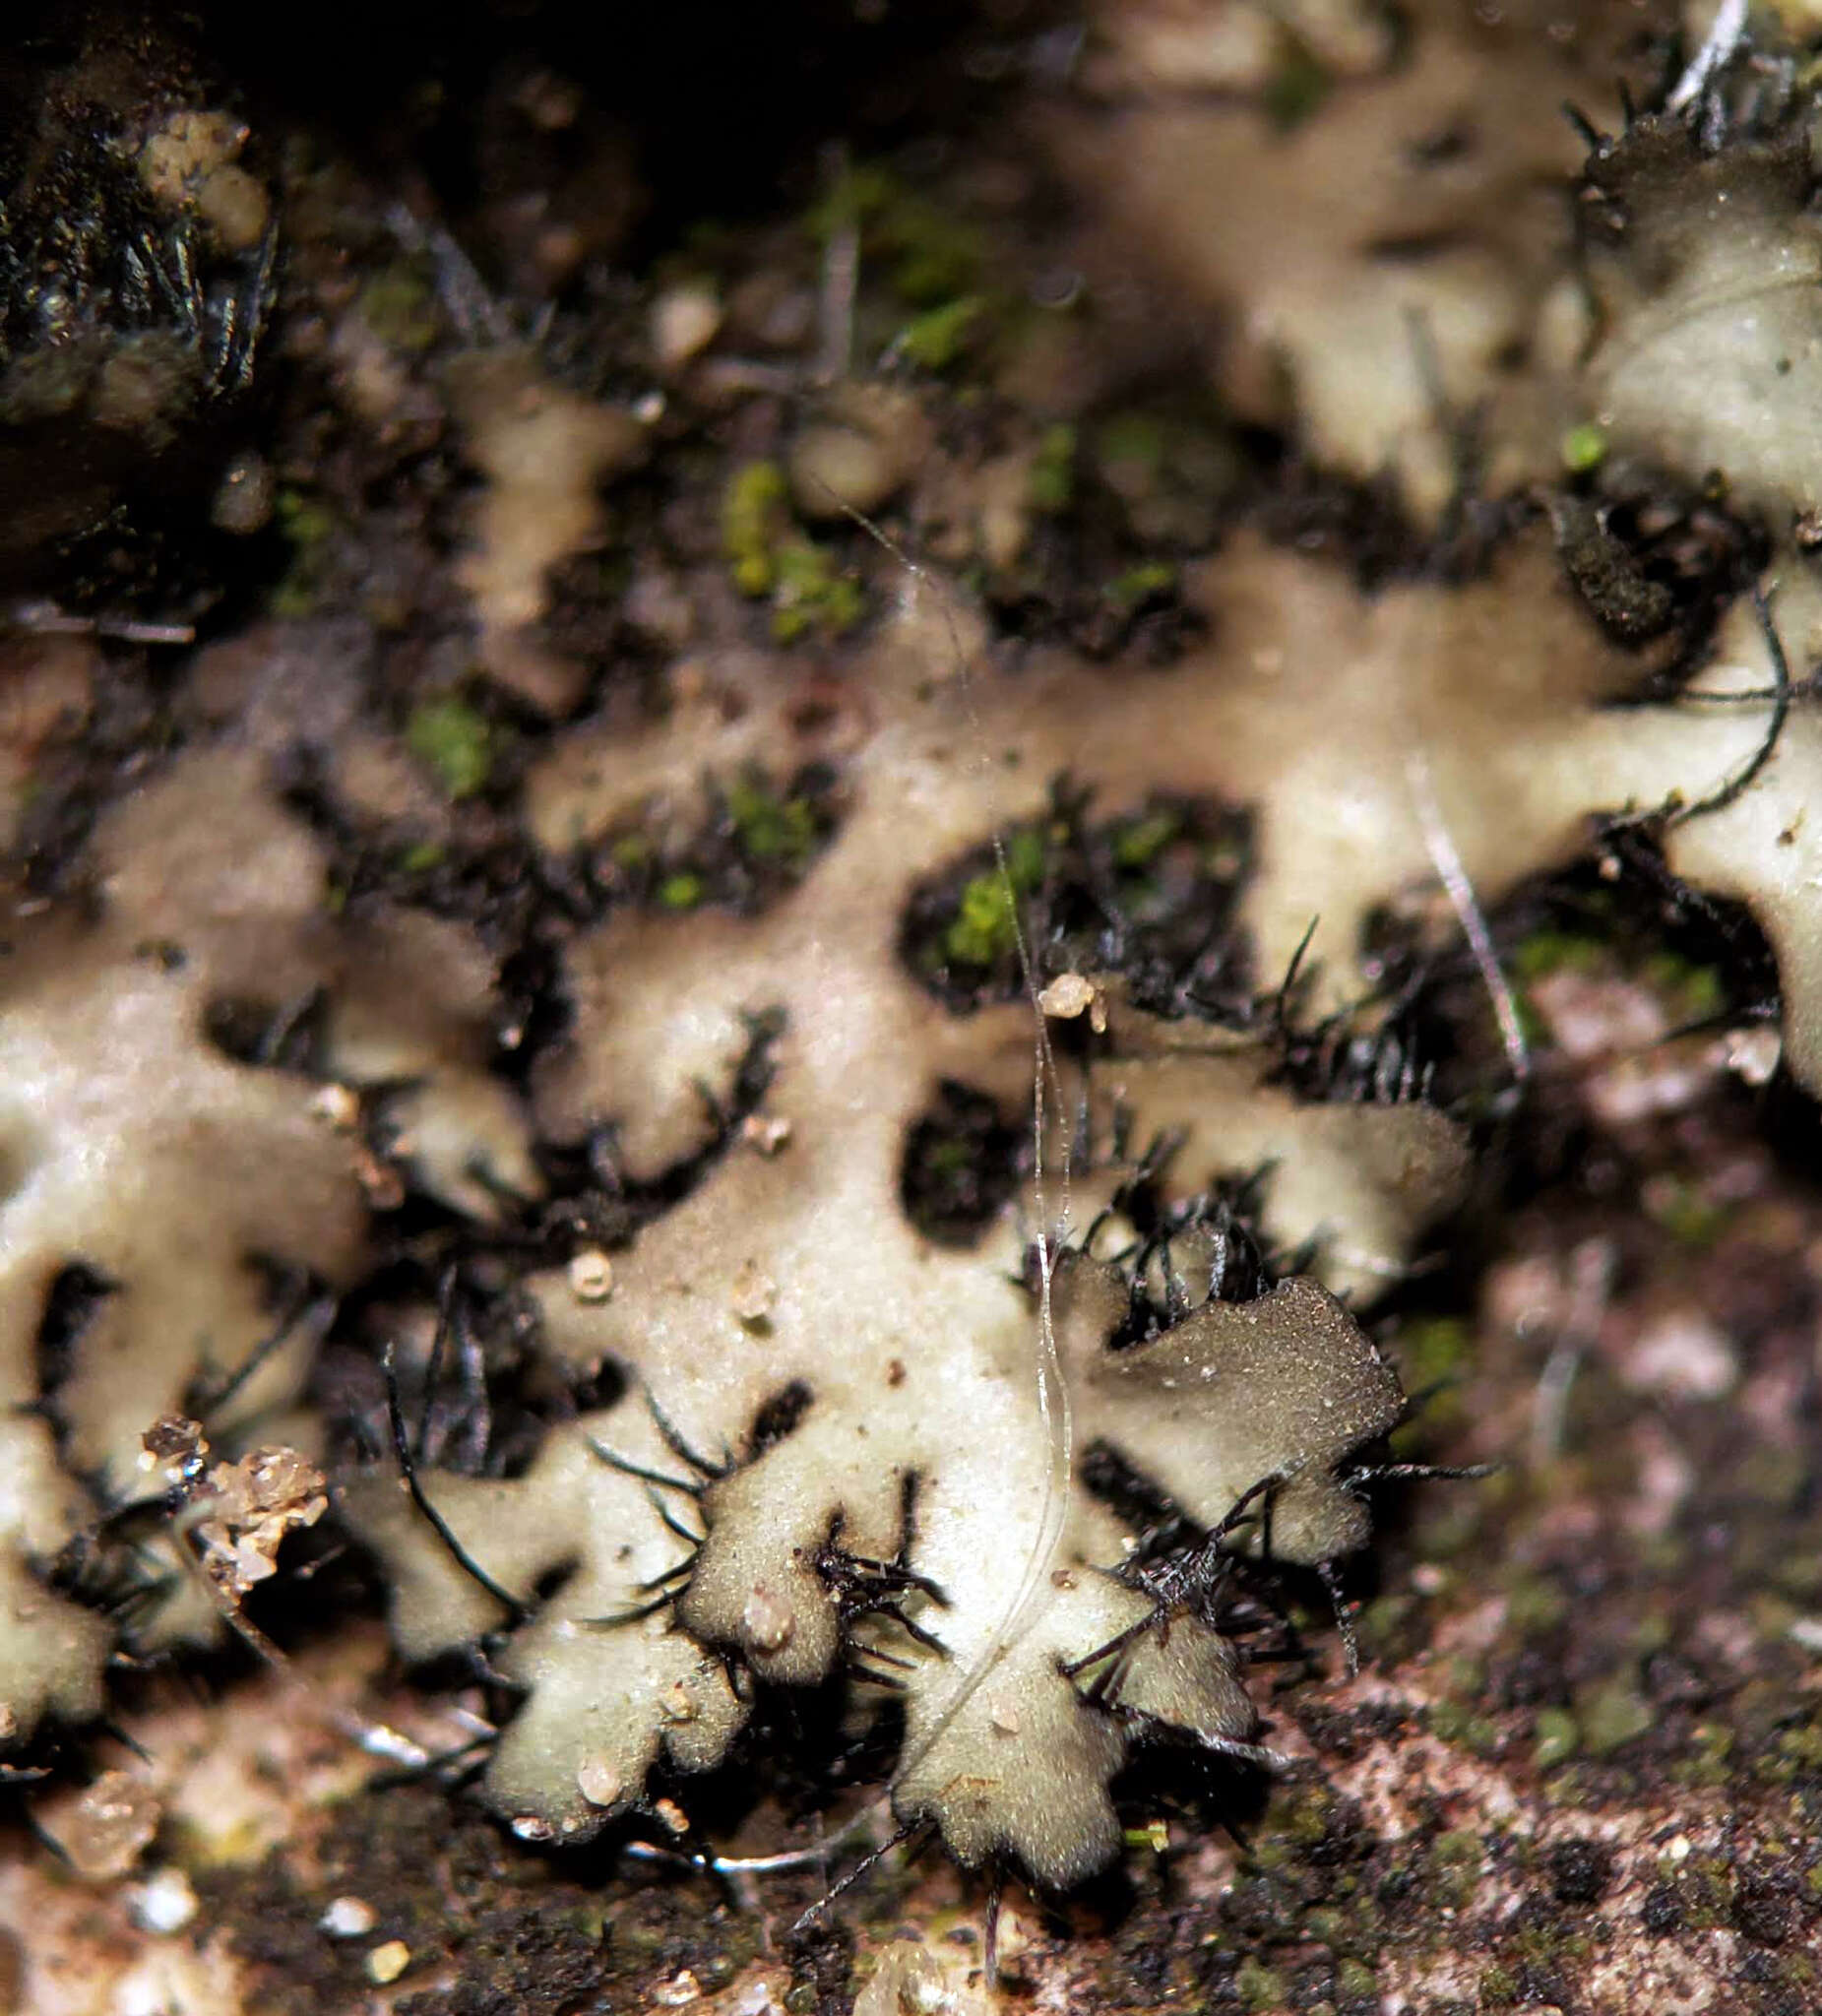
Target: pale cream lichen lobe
<point>180,1182</point>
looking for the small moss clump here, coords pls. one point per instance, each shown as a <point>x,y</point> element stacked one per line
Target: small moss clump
<point>1053,470</point>
<point>1614,1716</point>
<point>768,827</point>
<point>1152,579</point>
<point>985,928</point>
<point>1259,1987</point>
<point>928,254</point>
<point>1355,1979</point>
<point>1584,448</point>
<point>809,592</point>
<point>754,514</point>
<point>1138,844</point>
<point>307,526</point>
<point>937,339</point>
<point>1434,1355</point>
<point>1297,87</point>
<point>450,739</point>
<point>399,304</point>
<point>1558,1736</point>
<point>684,890</point>
<point>1454,1722</point>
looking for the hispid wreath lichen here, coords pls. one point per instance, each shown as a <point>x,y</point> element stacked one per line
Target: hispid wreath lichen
<point>1017,1466</point>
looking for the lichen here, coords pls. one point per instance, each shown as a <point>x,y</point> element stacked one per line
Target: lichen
<point>628,1662</point>
<point>189,1186</point>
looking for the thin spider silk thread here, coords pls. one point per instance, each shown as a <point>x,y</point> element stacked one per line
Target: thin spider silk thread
<point>1054,1409</point>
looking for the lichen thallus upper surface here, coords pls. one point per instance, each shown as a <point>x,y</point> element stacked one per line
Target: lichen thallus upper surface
<point>907,1516</point>
<point>808,1439</point>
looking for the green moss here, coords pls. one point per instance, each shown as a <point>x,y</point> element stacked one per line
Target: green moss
<point>1548,1945</point>
<point>771,828</point>
<point>450,739</point>
<point>1454,1722</point>
<point>1557,1738</point>
<point>809,592</point>
<point>983,933</point>
<point>1710,1745</point>
<point>1799,1575</point>
<point>1548,951</point>
<point>1433,1354</point>
<point>1355,1979</point>
<point>1136,845</point>
<point>929,253</point>
<point>1130,448</point>
<point>1612,1716</point>
<point>1053,470</point>
<point>1796,1754</point>
<point>984,929</point>
<point>1691,1219</point>
<point>1459,1857</point>
<point>1535,1604</point>
<point>1705,1889</point>
<point>422,858</point>
<point>1388,1625</point>
<point>1297,87</point>
<point>399,304</point>
<point>1259,1987</point>
<point>1131,590</point>
<point>1498,1988</point>
<point>858,195</point>
<point>1458,1848</point>
<point>307,526</point>
<point>1584,448</point>
<point>1690,992</point>
<point>937,339</point>
<point>754,514</point>
<point>683,891</point>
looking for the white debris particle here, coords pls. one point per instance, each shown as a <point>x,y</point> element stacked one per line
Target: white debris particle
<point>599,1781</point>
<point>674,1993</point>
<point>1752,1054</point>
<point>684,321</point>
<point>103,1830</point>
<point>164,1902</point>
<point>766,1132</point>
<point>591,1276</point>
<point>1070,996</point>
<point>754,1292</point>
<point>348,1918</point>
<point>251,1505</point>
<point>768,1619</point>
<point>1682,1357</point>
<point>337,1107</point>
